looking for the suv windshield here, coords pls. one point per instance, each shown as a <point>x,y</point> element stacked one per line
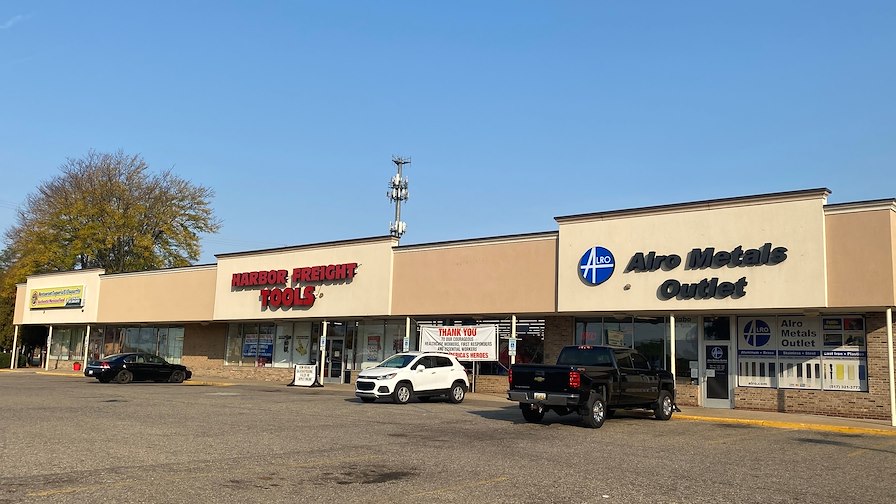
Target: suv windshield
<point>398,361</point>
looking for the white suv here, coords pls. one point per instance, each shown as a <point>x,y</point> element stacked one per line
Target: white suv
<point>410,374</point>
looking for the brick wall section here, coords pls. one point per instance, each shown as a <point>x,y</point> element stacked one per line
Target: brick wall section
<point>872,404</point>
<point>558,332</point>
<point>204,347</point>
<point>687,394</point>
<point>486,384</point>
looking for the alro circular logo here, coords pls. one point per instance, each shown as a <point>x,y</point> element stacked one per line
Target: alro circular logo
<point>596,265</point>
<point>757,333</point>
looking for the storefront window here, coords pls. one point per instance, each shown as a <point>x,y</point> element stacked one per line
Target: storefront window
<point>648,340</point>
<point>67,343</point>
<point>589,332</point>
<point>394,341</point>
<point>112,340</point>
<point>716,329</point>
<point>618,331</point>
<point>301,350</point>
<point>686,346</point>
<point>369,350</point>
<point>802,352</point>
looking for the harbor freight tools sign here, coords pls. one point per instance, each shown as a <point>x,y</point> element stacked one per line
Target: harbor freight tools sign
<point>467,343</point>
<point>707,258</point>
<point>58,297</point>
<point>284,291</point>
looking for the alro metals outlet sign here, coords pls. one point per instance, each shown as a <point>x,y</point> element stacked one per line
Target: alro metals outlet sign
<point>301,294</point>
<point>699,259</point>
<point>597,265</point>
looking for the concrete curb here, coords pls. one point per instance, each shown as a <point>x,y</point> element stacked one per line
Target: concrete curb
<point>60,373</point>
<point>840,429</point>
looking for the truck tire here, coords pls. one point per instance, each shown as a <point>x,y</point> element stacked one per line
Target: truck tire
<point>663,409</point>
<point>595,411</point>
<point>532,414</point>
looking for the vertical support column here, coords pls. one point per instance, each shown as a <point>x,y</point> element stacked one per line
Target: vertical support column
<point>890,368</point>
<point>14,358</point>
<point>86,346</point>
<point>49,344</point>
<point>672,346</point>
<point>512,339</point>
<point>323,351</point>
<point>406,344</point>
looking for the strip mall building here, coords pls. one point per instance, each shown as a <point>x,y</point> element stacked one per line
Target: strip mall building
<point>774,302</point>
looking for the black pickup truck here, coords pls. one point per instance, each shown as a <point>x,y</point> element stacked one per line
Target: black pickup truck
<point>592,381</point>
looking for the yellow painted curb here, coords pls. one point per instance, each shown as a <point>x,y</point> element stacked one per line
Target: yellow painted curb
<point>210,383</point>
<point>791,425</point>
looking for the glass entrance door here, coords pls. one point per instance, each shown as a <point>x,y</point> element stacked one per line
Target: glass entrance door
<point>717,382</point>
<point>335,356</point>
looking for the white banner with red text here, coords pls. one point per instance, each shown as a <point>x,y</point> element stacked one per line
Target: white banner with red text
<point>467,343</point>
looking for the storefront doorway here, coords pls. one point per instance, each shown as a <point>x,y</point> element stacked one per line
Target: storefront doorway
<point>333,365</point>
<point>716,385</point>
<point>716,388</point>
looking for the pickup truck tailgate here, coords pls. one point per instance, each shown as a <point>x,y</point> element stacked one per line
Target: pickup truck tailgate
<point>541,378</point>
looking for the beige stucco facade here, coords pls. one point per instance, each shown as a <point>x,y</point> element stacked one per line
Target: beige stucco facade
<point>498,276</point>
<point>861,250</point>
<point>174,295</point>
<point>793,222</point>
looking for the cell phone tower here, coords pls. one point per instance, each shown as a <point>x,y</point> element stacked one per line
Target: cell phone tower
<point>398,192</point>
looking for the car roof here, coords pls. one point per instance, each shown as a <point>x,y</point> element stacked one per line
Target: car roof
<point>418,352</point>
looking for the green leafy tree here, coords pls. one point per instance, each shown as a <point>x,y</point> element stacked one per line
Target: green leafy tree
<point>104,210</point>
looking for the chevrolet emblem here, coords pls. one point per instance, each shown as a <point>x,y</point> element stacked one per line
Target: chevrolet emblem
<point>539,379</point>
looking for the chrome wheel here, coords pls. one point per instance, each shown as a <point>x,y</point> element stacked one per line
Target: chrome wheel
<point>598,412</point>
<point>667,406</point>
<point>402,393</point>
<point>457,393</point>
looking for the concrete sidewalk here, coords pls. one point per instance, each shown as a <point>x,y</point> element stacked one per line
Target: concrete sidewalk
<point>769,419</point>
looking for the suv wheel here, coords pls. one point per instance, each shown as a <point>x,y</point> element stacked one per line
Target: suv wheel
<point>402,393</point>
<point>458,391</point>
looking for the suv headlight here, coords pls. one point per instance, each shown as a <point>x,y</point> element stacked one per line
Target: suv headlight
<point>386,376</point>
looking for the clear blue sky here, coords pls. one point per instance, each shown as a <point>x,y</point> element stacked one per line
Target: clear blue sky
<point>513,112</point>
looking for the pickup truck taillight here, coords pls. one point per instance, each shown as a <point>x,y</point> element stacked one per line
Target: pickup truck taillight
<point>575,379</point>
<point>510,377</point>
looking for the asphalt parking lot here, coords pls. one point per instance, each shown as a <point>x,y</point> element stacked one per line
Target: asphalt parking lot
<point>76,440</point>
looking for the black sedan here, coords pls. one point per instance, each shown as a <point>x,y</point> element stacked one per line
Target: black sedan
<point>136,366</point>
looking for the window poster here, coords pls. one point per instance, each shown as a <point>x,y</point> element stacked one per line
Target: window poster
<point>615,338</point>
<point>844,357</point>
<point>756,352</point>
<point>373,347</point>
<point>799,352</point>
